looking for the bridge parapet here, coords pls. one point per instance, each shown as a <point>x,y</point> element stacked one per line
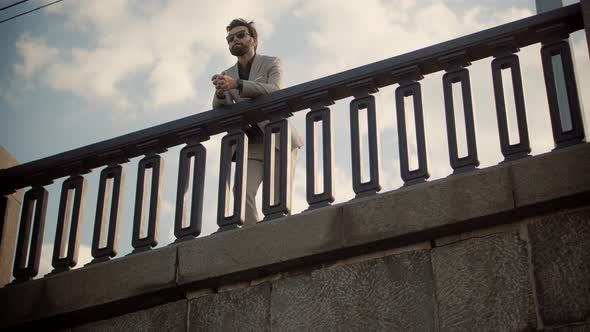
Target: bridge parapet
<point>531,194</point>
<point>485,241</point>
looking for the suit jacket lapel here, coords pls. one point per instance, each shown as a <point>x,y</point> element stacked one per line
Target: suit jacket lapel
<point>233,72</point>
<point>255,70</point>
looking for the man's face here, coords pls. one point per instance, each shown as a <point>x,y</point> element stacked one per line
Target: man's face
<point>240,46</point>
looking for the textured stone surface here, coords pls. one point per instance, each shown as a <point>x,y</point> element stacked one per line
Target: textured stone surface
<point>168,317</point>
<point>110,281</point>
<point>256,246</point>
<point>572,328</point>
<point>563,172</point>
<point>482,284</point>
<point>246,309</point>
<point>421,207</point>
<point>561,259</point>
<point>394,293</point>
<point>460,203</point>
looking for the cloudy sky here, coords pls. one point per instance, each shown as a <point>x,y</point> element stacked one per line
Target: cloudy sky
<point>83,71</point>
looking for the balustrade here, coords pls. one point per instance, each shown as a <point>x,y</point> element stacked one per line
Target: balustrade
<point>454,57</point>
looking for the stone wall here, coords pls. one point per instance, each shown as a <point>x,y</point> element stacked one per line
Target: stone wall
<point>531,275</point>
<point>501,249</point>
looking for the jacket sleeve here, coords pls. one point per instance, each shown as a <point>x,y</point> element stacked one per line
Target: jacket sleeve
<point>221,101</point>
<point>263,85</point>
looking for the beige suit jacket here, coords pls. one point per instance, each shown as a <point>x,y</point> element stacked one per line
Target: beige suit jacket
<point>266,76</point>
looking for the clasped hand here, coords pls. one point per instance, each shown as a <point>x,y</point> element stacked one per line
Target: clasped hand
<point>223,82</point>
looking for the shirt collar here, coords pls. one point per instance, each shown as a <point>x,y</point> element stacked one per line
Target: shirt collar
<point>250,62</point>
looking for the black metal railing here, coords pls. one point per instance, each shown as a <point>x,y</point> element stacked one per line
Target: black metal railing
<point>454,57</point>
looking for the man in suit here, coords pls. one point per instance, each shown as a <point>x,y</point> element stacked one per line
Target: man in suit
<point>253,75</point>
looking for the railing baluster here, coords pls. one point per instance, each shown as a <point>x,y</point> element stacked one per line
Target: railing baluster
<point>522,148</point>
<point>114,172</point>
<point>456,73</point>
<point>236,142</point>
<point>71,241</point>
<point>363,100</point>
<point>283,206</point>
<point>198,152</point>
<point>561,136</point>
<point>32,224</point>
<point>409,87</point>
<point>325,198</point>
<point>139,244</point>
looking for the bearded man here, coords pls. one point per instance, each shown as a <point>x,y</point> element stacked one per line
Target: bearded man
<point>253,75</point>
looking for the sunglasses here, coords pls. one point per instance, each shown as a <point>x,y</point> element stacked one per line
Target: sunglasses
<point>240,34</point>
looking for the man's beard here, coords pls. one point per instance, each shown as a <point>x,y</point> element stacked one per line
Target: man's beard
<point>239,50</point>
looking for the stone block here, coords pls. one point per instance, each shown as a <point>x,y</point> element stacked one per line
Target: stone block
<point>20,303</point>
<point>560,246</point>
<point>245,309</point>
<point>483,284</point>
<point>393,293</point>
<point>170,317</point>
<point>553,175</point>
<point>105,282</point>
<point>260,245</point>
<point>571,328</point>
<point>423,207</point>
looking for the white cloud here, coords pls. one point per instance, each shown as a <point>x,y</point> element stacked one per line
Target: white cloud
<point>171,79</point>
<point>171,42</point>
<point>35,54</point>
<point>345,38</point>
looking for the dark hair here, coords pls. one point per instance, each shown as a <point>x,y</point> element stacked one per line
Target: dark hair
<point>240,22</point>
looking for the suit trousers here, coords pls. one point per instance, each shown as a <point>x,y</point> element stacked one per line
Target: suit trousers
<point>255,176</point>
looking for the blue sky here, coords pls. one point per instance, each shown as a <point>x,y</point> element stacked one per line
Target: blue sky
<point>83,71</point>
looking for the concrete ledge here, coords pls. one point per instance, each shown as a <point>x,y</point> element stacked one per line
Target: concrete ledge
<point>170,317</point>
<point>21,303</point>
<point>553,175</point>
<point>403,217</point>
<point>428,206</point>
<point>110,281</point>
<point>267,243</point>
<point>90,286</point>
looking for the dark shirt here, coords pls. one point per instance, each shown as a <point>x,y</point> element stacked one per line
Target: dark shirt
<point>244,73</point>
<point>254,132</point>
